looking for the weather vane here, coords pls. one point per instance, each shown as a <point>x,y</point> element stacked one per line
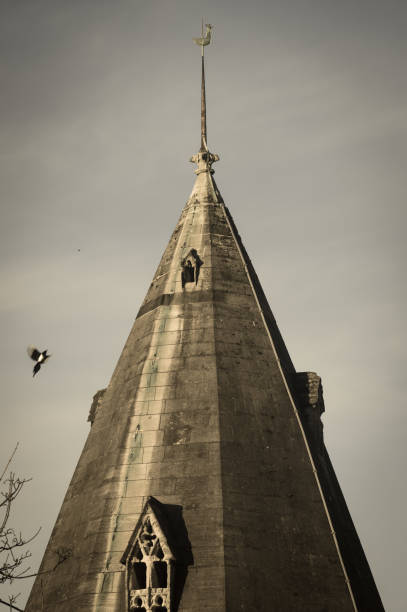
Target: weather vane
<point>204,159</point>
<point>204,40</point>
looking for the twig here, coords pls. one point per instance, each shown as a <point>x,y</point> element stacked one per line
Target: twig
<point>10,605</point>
<point>9,461</point>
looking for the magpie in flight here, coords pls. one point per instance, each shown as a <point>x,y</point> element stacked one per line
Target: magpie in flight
<point>38,356</point>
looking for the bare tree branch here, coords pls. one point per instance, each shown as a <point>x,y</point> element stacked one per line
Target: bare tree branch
<point>10,605</point>
<point>9,461</point>
<point>13,553</point>
<point>11,541</point>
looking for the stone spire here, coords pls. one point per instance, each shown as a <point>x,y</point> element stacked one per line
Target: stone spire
<point>204,483</point>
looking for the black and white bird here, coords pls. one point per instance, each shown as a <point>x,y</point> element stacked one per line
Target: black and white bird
<point>38,356</point>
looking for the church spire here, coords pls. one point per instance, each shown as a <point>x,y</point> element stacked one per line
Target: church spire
<point>205,450</point>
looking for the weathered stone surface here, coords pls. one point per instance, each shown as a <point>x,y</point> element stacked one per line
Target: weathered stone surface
<point>200,412</point>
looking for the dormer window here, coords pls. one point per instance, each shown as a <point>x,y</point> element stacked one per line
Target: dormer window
<point>149,569</point>
<point>190,267</point>
<point>151,563</point>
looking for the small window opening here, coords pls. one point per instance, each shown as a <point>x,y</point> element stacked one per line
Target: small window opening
<point>138,554</point>
<point>138,604</point>
<point>159,574</point>
<point>158,605</point>
<point>190,266</point>
<point>159,552</point>
<point>189,272</point>
<point>138,576</point>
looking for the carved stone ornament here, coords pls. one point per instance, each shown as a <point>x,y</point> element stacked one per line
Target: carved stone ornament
<point>311,404</point>
<point>96,403</point>
<point>204,161</point>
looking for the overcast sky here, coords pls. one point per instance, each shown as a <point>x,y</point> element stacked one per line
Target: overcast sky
<point>100,113</point>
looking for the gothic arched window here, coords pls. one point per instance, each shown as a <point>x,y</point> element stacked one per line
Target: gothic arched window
<point>150,563</point>
<point>190,267</point>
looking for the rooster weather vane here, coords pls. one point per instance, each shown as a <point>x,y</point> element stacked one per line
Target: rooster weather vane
<point>204,40</point>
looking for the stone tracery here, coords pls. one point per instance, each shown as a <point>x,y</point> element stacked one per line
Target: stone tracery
<point>150,566</point>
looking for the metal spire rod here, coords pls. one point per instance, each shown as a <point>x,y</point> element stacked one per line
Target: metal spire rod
<point>202,42</point>
<point>204,146</point>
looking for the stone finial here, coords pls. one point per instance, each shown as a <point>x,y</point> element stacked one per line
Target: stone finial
<point>204,161</point>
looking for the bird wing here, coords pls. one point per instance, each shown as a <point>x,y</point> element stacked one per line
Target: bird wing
<point>33,352</point>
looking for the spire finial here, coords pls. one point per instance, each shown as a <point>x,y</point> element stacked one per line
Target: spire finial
<point>203,42</point>
<point>209,158</point>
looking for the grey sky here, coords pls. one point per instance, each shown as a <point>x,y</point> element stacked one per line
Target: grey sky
<point>307,109</point>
